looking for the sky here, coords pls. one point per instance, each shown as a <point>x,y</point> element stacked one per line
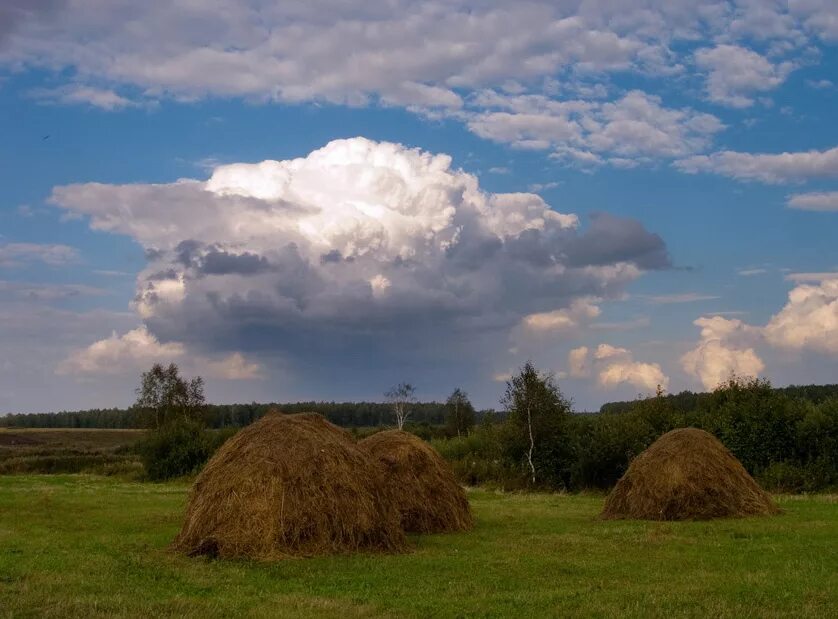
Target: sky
<point>319,200</point>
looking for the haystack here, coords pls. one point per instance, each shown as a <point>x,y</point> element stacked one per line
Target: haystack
<point>421,483</point>
<point>289,485</point>
<point>687,474</point>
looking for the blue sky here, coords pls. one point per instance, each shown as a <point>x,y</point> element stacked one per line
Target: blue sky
<point>629,194</point>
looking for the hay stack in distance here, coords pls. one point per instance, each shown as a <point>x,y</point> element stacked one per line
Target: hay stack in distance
<point>420,482</point>
<point>687,474</point>
<point>289,485</point>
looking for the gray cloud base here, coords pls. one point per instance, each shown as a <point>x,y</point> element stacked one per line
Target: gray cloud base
<point>360,246</point>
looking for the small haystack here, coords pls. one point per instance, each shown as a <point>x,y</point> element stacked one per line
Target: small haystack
<point>289,485</point>
<point>687,474</point>
<point>422,484</point>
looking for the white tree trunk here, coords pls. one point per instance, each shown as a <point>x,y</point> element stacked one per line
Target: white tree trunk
<point>532,443</point>
<point>401,416</point>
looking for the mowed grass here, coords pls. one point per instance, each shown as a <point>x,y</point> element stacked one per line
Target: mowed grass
<point>88,546</point>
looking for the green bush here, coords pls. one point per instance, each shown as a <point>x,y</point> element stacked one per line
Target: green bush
<point>176,449</point>
<point>783,477</point>
<point>788,444</point>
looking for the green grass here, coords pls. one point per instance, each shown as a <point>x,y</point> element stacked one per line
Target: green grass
<point>68,450</point>
<point>87,546</point>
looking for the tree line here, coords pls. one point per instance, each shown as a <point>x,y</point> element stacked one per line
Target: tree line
<point>788,441</point>
<point>689,401</point>
<point>345,414</point>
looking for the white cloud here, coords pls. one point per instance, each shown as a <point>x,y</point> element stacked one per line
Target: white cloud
<point>102,98</point>
<point>811,277</point>
<point>680,297</point>
<point>819,16</point>
<point>615,366</point>
<point>752,272</point>
<point>768,168</point>
<point>131,351</point>
<point>577,360</point>
<point>556,63</point>
<point>17,254</point>
<point>580,311</point>
<point>606,351</point>
<point>359,243</point>
<point>736,73</point>
<point>724,349</point>
<point>809,321</point>
<point>826,201</point>
<point>633,128</point>
<point>234,367</point>
<point>647,376</point>
<point>46,293</point>
<point>821,84</point>
<point>138,349</point>
<point>402,52</point>
<point>536,187</point>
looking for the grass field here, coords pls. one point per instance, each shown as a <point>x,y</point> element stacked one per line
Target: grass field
<point>86,546</point>
<point>66,450</point>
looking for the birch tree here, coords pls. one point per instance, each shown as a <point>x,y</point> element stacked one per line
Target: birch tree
<point>164,396</point>
<point>400,398</point>
<point>537,412</point>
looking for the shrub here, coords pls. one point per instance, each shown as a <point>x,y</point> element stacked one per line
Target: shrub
<point>176,449</point>
<point>783,477</point>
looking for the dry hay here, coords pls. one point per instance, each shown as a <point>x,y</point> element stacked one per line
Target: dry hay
<point>687,474</point>
<point>289,485</point>
<point>421,482</point>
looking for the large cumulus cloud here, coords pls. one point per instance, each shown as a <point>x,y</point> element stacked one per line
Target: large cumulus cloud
<point>370,245</point>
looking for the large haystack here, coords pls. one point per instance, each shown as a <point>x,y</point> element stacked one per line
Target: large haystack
<point>687,474</point>
<point>289,485</point>
<point>422,484</point>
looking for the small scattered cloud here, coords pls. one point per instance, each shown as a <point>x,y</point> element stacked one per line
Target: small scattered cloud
<point>681,297</point>
<point>809,320</point>
<point>137,349</point>
<point>631,324</point>
<point>235,367</point>
<point>800,277</point>
<point>118,354</point>
<point>785,167</point>
<point>614,366</point>
<point>75,94</point>
<point>821,84</point>
<point>581,311</point>
<point>617,366</point>
<point>19,254</point>
<point>751,272</point>
<point>735,74</point>
<point>46,293</point>
<point>823,201</point>
<point>725,348</point>
<point>536,187</point>
<point>577,361</point>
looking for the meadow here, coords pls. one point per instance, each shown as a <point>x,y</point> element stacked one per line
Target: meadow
<point>69,450</point>
<point>89,545</point>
